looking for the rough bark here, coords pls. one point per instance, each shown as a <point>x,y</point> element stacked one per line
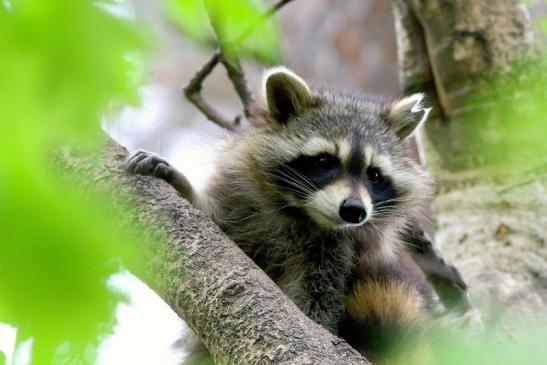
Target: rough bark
<point>237,311</point>
<point>452,50</point>
<point>490,215</point>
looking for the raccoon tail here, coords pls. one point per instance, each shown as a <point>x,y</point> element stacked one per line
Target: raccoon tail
<point>386,312</point>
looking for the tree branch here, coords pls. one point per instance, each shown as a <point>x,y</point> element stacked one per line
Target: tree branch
<point>193,94</point>
<point>416,75</point>
<point>232,65</point>
<point>237,311</point>
<point>265,16</point>
<point>234,70</point>
<point>236,75</point>
<point>452,51</point>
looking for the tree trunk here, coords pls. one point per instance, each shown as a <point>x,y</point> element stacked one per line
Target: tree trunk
<point>490,213</point>
<point>237,311</point>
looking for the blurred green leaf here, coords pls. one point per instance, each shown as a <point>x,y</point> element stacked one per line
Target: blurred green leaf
<point>543,25</point>
<point>230,19</point>
<point>514,344</point>
<point>508,126</point>
<point>63,64</point>
<point>506,343</point>
<point>191,16</point>
<point>67,59</point>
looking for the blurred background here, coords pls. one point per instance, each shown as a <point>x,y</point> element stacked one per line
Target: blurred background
<point>343,44</point>
<point>340,44</point>
<point>348,45</point>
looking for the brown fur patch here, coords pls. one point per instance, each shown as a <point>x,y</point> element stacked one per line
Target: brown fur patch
<point>386,302</point>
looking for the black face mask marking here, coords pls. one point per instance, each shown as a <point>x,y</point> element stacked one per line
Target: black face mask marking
<point>356,160</point>
<point>381,189</point>
<point>307,174</point>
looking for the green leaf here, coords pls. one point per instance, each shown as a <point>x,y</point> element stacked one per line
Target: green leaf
<point>230,19</point>
<point>543,25</point>
<point>63,64</point>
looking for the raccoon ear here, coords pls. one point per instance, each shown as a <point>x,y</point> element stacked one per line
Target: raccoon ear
<point>407,114</point>
<point>286,93</point>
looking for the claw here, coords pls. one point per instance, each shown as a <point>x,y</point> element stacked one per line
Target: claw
<point>148,163</point>
<point>145,166</point>
<point>134,160</point>
<point>163,171</point>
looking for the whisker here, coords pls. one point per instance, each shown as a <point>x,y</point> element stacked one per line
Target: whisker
<point>394,200</point>
<point>303,177</point>
<point>294,183</point>
<point>292,176</point>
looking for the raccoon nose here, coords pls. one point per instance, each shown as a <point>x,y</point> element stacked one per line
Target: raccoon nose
<point>353,211</point>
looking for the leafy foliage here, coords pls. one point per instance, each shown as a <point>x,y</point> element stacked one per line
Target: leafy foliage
<point>510,128</point>
<point>513,344</point>
<point>231,19</point>
<point>62,64</point>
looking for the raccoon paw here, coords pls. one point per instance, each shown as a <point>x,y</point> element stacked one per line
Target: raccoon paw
<point>149,164</point>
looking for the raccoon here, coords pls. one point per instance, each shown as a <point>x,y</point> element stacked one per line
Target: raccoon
<point>318,191</point>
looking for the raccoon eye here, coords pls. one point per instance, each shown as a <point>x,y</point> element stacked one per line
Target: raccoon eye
<point>326,161</point>
<point>374,175</point>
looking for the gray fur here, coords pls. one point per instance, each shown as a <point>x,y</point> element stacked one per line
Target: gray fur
<point>242,200</point>
<point>312,264</point>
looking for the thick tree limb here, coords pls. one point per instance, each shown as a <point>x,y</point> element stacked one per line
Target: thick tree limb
<point>456,51</point>
<point>236,310</point>
<point>416,75</point>
<point>453,50</point>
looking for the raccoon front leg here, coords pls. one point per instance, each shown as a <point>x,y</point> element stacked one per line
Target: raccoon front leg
<point>150,164</point>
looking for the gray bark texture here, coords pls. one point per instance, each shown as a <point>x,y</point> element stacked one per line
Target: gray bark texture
<point>490,215</point>
<point>237,311</point>
<point>452,50</point>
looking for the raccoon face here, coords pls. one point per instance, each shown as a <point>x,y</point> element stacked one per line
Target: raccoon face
<point>337,159</point>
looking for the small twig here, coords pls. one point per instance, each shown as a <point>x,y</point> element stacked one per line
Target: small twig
<point>193,94</point>
<point>232,64</point>
<point>265,16</point>
<point>234,70</point>
<point>236,75</point>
